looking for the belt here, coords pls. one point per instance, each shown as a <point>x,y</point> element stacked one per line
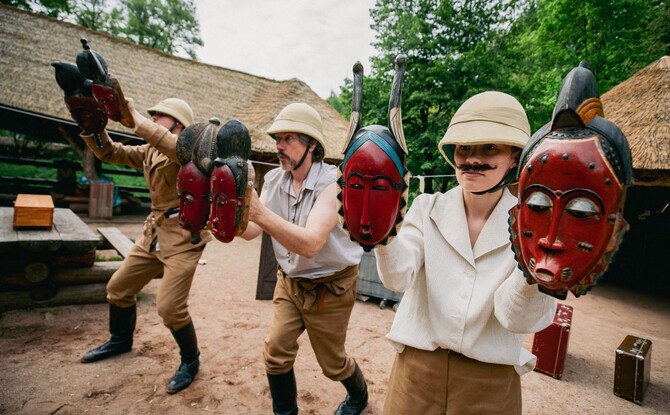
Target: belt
<point>171,213</point>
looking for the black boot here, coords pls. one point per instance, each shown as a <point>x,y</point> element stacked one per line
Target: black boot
<point>284,393</point>
<point>357,394</point>
<point>190,358</point>
<point>121,328</point>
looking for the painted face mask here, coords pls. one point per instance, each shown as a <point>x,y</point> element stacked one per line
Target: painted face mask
<point>372,185</point>
<point>572,184</point>
<point>193,178</point>
<point>373,178</point>
<point>232,181</point>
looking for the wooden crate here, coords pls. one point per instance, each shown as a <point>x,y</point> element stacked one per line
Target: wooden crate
<point>33,211</point>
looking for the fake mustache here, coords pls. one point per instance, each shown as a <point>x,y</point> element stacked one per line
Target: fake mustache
<point>475,167</point>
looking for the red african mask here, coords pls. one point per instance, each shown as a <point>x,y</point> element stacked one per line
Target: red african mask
<point>569,216</point>
<point>373,176</point>
<point>372,185</point>
<point>193,191</point>
<point>572,184</point>
<point>224,204</point>
<point>232,181</point>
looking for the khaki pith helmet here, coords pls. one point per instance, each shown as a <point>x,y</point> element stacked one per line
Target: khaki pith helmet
<point>298,118</point>
<point>486,118</point>
<point>175,108</point>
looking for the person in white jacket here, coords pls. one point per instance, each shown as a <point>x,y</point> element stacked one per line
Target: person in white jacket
<point>459,328</point>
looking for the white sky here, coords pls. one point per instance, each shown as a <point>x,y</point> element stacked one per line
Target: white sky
<point>316,41</point>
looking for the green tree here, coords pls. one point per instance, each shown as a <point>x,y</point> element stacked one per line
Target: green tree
<point>92,14</point>
<point>167,25</point>
<point>457,48</point>
<point>53,8</point>
<point>439,39</point>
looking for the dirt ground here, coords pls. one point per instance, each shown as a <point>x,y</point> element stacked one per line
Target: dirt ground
<point>40,351</point>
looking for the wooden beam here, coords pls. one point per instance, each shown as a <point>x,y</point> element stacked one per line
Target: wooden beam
<point>117,240</point>
<point>67,295</point>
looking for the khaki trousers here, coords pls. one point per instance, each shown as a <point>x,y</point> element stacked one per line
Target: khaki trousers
<point>322,307</point>
<point>445,382</point>
<point>140,267</point>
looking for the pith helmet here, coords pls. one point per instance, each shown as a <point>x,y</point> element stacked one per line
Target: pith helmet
<point>298,118</point>
<point>486,118</point>
<point>175,108</point>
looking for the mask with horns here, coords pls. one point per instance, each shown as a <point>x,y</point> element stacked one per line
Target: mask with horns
<point>373,177</point>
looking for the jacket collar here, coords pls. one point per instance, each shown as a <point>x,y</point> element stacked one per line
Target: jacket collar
<point>448,214</point>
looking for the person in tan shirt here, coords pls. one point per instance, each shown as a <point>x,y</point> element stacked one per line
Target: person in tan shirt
<point>318,264</point>
<point>163,248</point>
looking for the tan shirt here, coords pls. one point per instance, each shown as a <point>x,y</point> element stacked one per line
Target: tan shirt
<point>337,253</point>
<point>158,160</point>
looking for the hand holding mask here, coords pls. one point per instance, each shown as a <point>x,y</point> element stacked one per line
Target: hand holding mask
<point>572,184</point>
<point>373,178</point>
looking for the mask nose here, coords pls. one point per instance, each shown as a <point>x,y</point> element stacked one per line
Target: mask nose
<point>551,241</point>
<point>364,226</point>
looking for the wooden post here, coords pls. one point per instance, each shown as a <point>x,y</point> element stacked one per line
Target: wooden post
<point>101,200</point>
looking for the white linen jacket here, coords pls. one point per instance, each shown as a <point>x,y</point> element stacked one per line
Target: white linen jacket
<point>472,300</point>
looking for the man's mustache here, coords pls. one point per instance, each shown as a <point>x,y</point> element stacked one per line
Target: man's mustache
<point>475,167</point>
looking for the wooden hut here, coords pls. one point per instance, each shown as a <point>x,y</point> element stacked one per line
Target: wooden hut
<point>640,106</point>
<point>32,103</point>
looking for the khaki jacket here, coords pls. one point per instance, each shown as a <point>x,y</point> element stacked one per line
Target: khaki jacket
<point>158,160</point>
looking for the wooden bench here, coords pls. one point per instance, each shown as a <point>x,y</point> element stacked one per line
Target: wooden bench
<point>117,240</point>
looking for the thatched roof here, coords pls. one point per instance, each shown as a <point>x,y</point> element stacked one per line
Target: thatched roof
<point>30,42</point>
<point>640,106</point>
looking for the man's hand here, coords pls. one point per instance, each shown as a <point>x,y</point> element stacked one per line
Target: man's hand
<point>137,117</point>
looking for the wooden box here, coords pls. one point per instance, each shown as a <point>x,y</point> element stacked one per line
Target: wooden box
<point>632,368</point>
<point>33,211</point>
<point>551,344</point>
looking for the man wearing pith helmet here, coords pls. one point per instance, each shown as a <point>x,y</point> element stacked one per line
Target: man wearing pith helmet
<point>164,248</point>
<point>318,264</point>
<point>460,326</point>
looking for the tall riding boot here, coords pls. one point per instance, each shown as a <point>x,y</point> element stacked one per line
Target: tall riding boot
<point>284,393</point>
<point>190,358</point>
<point>357,394</point>
<point>121,328</point>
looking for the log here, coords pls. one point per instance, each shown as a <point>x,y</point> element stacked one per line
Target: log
<point>84,259</point>
<point>36,272</point>
<point>100,272</point>
<point>68,295</point>
<point>8,237</point>
<point>43,291</point>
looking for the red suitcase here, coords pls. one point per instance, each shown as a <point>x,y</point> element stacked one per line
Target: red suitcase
<point>632,368</point>
<point>551,344</point>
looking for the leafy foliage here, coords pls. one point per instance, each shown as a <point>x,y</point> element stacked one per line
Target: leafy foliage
<point>53,8</point>
<point>458,48</point>
<point>166,25</point>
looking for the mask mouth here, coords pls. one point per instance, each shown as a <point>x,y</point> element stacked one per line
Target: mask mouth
<point>544,275</point>
<point>365,236</point>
